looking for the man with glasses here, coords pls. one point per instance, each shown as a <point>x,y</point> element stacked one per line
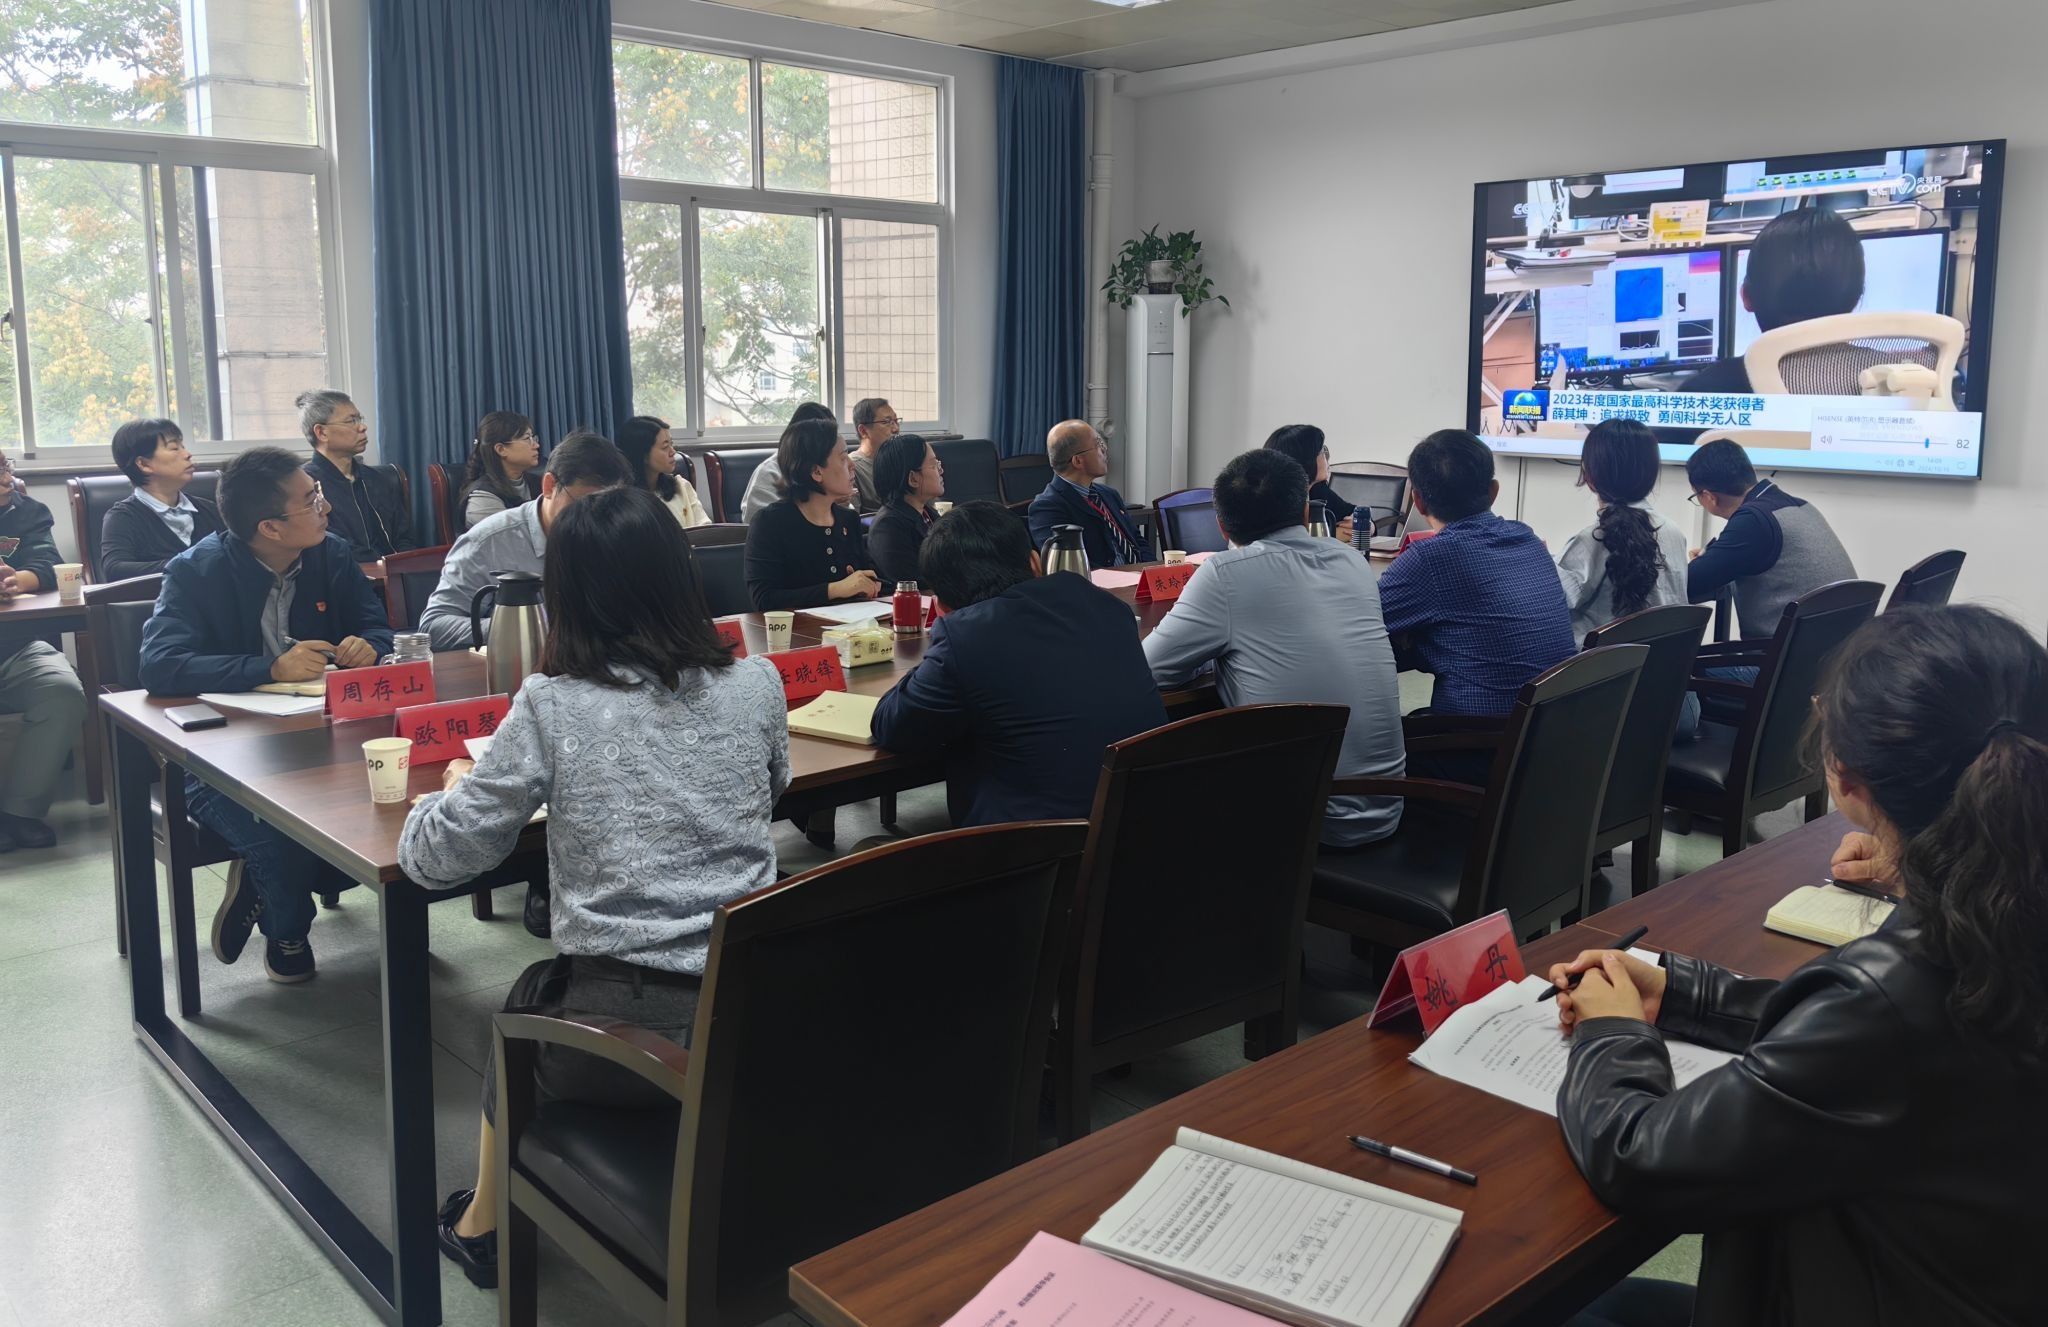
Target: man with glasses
<point>369,508</point>
<point>1076,496</point>
<point>36,681</point>
<point>875,422</point>
<point>272,598</point>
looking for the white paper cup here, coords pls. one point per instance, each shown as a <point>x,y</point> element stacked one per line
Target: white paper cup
<point>1173,557</point>
<point>70,582</point>
<point>390,761</point>
<point>779,627</point>
<point>942,507</point>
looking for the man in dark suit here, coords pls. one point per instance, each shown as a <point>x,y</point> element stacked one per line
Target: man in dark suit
<point>1080,458</point>
<point>159,520</point>
<point>1024,680</point>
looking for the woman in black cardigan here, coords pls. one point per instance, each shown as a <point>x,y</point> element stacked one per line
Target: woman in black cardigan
<point>807,549</point>
<point>142,532</point>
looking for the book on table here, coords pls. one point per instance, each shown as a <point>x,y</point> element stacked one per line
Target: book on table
<point>1827,915</point>
<point>1279,1236</point>
<point>840,716</point>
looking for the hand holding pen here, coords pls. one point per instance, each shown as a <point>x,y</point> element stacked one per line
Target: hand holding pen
<point>1607,983</point>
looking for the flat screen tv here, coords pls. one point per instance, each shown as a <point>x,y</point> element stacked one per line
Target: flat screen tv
<point>1829,311</point>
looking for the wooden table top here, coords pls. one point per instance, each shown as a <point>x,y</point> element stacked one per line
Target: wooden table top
<point>1531,1225</point>
<point>41,607</point>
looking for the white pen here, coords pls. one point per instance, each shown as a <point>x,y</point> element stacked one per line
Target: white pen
<point>1415,1159</point>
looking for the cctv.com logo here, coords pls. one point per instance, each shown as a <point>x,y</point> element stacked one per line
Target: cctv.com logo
<point>1917,185</point>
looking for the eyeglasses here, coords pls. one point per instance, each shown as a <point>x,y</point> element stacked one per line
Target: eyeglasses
<point>890,420</point>
<point>1693,497</point>
<point>528,436</point>
<point>316,504</point>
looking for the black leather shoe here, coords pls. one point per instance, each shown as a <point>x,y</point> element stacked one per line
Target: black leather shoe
<point>536,918</point>
<point>236,916</point>
<point>22,832</point>
<point>477,1257</point>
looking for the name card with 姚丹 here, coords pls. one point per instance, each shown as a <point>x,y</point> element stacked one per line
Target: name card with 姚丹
<point>808,673</point>
<point>441,732</point>
<point>730,631</point>
<point>368,693</point>
<point>1161,584</point>
<point>1455,968</point>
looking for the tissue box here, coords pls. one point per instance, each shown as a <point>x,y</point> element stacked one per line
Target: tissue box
<point>861,645</point>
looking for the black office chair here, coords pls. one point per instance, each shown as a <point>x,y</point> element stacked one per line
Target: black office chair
<point>726,473</point>
<point>1735,771</point>
<point>1928,582</point>
<point>973,470</point>
<point>1524,842</point>
<point>1023,478</point>
<point>871,1039</point>
<point>1187,521</point>
<point>1633,810</point>
<point>1374,484</point>
<point>721,553</point>
<point>92,495</point>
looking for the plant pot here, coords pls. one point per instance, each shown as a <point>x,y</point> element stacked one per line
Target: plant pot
<point>1159,276</point>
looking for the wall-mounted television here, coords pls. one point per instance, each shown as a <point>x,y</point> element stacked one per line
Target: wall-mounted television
<point>1830,311</point>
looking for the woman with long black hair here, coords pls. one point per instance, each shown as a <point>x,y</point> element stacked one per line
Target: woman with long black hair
<point>651,463</point>
<point>505,451</point>
<point>1876,1155</point>
<point>1630,558</point>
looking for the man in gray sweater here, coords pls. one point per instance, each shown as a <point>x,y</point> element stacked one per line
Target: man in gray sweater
<point>1775,547</point>
<point>516,539</point>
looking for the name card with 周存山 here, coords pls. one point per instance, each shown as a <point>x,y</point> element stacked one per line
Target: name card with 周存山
<point>730,631</point>
<point>442,732</point>
<point>1455,968</point>
<point>367,693</point>
<point>1161,584</point>
<point>808,674</point>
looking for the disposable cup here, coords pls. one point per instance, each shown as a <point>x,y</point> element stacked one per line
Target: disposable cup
<point>1173,557</point>
<point>389,760</point>
<point>70,582</point>
<point>779,627</point>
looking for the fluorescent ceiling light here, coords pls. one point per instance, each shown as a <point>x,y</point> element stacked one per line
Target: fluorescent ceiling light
<point>1130,4</point>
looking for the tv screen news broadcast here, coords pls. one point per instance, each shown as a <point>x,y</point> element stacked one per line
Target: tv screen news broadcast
<point>1829,311</point>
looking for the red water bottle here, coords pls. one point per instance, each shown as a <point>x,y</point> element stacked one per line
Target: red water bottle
<point>906,609</point>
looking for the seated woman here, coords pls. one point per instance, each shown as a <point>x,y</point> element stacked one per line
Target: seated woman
<point>651,460</point>
<point>908,479</point>
<point>806,549</point>
<point>1876,1154</point>
<point>1305,443</point>
<point>659,757</point>
<point>1630,558</point>
<point>159,520</point>
<point>506,450</point>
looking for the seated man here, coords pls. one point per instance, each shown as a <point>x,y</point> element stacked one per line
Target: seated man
<point>1774,548</point>
<point>874,423</point>
<point>1079,459</point>
<point>367,502</point>
<point>1025,680</point>
<point>159,520</point>
<point>1807,263</point>
<point>36,680</point>
<point>1286,616</point>
<point>516,539</point>
<point>273,598</point>
<point>1479,603</point>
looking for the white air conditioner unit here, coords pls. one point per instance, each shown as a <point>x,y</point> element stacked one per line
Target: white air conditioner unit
<point>1151,458</point>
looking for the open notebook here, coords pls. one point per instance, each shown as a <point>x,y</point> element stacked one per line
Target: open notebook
<point>1827,915</point>
<point>1279,1236</point>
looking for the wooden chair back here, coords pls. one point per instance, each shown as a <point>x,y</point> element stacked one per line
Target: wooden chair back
<point>1928,582</point>
<point>1773,759</point>
<point>115,614</point>
<point>409,581</point>
<point>1634,806</point>
<point>726,473</point>
<point>721,553</point>
<point>1023,478</point>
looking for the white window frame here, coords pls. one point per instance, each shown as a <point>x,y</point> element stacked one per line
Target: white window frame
<point>167,152</point>
<point>830,209</point>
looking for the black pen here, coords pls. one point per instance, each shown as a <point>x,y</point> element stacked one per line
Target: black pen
<point>1416,1159</point>
<point>1867,891</point>
<point>1623,944</point>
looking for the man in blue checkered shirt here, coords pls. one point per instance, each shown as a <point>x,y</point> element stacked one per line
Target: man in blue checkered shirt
<point>1479,604</point>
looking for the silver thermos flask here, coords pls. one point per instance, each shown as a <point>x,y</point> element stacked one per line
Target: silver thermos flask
<point>1063,552</point>
<point>518,630</point>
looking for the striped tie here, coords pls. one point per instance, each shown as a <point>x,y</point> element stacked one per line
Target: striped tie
<point>1118,540</point>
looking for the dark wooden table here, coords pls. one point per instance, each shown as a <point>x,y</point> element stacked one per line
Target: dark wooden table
<point>305,776</point>
<point>44,607</point>
<point>1536,1243</point>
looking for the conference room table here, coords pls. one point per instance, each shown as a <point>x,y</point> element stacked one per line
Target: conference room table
<point>45,611</point>
<point>1535,1244</point>
<point>305,777</point>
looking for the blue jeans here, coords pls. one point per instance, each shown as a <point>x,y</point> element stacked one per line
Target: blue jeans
<point>1688,718</point>
<point>1718,709</point>
<point>285,875</point>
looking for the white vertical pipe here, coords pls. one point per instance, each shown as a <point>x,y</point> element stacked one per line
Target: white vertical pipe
<point>1099,164</point>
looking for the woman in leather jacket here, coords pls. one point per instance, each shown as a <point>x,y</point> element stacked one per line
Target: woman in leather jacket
<point>1879,1153</point>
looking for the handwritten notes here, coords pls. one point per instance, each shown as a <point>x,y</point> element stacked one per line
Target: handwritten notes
<point>808,673</point>
<point>441,732</point>
<point>1453,969</point>
<point>1161,584</point>
<point>368,693</point>
<point>730,631</point>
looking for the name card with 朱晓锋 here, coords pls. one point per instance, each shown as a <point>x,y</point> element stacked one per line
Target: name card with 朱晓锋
<point>1457,967</point>
<point>730,631</point>
<point>441,732</point>
<point>1161,584</point>
<point>368,693</point>
<point>808,674</point>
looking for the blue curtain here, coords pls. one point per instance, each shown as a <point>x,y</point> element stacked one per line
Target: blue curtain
<point>1042,300</point>
<point>499,277</point>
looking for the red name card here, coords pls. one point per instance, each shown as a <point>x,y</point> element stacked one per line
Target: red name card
<point>731,633</point>
<point>808,674</point>
<point>367,693</point>
<point>1161,584</point>
<point>1455,968</point>
<point>438,732</point>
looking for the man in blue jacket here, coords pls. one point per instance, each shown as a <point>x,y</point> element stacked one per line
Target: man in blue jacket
<point>1080,458</point>
<point>272,598</point>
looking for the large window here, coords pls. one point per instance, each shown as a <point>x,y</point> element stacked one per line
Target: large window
<point>162,197</point>
<point>785,234</point>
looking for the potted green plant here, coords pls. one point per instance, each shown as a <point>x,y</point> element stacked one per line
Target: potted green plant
<point>1152,265</point>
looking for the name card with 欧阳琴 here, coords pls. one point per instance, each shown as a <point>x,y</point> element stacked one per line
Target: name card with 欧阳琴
<point>732,633</point>
<point>442,732</point>
<point>1164,583</point>
<point>369,693</point>
<point>1455,968</point>
<point>809,673</point>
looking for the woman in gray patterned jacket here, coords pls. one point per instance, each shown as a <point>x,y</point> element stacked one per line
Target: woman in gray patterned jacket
<point>659,758</point>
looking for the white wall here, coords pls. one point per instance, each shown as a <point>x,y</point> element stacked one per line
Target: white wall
<point>1336,211</point>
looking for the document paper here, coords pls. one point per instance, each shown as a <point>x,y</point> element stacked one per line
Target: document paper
<point>1279,1235</point>
<point>265,702</point>
<point>1057,1284</point>
<point>1507,1044</point>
